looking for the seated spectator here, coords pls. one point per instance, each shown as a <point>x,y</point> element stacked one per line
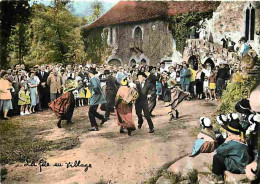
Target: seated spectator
<point>206,139</point>
<point>233,154</point>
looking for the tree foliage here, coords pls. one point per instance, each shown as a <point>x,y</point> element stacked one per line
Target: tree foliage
<point>11,13</point>
<point>181,24</point>
<point>54,35</point>
<point>96,47</point>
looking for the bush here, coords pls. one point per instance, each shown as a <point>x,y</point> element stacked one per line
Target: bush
<point>236,90</point>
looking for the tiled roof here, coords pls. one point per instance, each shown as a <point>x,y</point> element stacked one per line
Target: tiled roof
<point>136,11</point>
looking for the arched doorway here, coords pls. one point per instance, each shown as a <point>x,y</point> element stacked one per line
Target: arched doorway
<point>114,62</point>
<point>209,63</point>
<point>132,62</point>
<point>193,61</point>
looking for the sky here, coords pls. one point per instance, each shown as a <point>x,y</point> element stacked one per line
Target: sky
<point>83,7</point>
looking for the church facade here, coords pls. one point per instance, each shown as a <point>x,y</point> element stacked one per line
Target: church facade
<point>138,31</point>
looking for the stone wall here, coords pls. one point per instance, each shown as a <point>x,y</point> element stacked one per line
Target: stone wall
<point>157,42</point>
<point>229,20</point>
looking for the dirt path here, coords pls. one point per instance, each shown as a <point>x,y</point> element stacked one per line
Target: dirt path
<point>115,157</point>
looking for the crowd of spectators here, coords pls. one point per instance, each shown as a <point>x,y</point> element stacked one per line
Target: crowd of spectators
<point>27,90</point>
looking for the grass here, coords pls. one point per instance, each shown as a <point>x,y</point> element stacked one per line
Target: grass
<point>175,178</point>
<point>18,142</point>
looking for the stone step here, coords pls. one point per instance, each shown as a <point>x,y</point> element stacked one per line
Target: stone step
<point>235,178</point>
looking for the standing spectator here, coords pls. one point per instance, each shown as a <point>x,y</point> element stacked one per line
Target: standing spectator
<point>206,87</point>
<point>185,78</point>
<point>54,81</point>
<point>42,88</point>
<point>222,76</point>
<point>192,82</point>
<point>24,99</point>
<point>199,80</point>
<point>212,85</point>
<point>5,94</point>
<point>33,91</point>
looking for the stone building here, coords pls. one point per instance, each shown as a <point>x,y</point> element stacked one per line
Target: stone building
<point>230,21</point>
<point>138,31</point>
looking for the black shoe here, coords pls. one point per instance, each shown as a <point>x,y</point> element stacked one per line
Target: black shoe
<point>122,130</point>
<point>140,126</point>
<point>70,122</point>
<point>151,131</point>
<point>103,121</point>
<point>59,124</point>
<point>94,129</point>
<point>129,131</point>
<point>177,114</point>
<point>152,115</point>
<point>171,117</point>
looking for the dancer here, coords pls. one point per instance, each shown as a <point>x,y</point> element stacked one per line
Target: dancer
<point>152,78</point>
<point>97,98</point>
<point>64,106</point>
<point>111,89</point>
<point>125,97</point>
<point>141,104</point>
<point>172,96</point>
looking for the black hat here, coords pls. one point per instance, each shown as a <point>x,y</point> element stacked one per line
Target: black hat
<point>243,107</point>
<point>106,72</point>
<point>243,38</point>
<point>151,68</point>
<point>93,71</point>
<point>141,73</point>
<point>234,127</point>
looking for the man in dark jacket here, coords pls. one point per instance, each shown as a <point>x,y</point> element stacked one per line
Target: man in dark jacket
<point>152,78</point>
<point>222,76</point>
<point>43,88</point>
<point>111,89</point>
<point>141,104</point>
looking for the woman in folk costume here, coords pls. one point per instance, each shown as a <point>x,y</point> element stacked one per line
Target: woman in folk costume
<point>124,103</point>
<point>206,140</point>
<point>64,106</point>
<point>172,96</point>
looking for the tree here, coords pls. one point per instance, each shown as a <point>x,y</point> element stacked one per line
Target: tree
<point>11,13</point>
<point>97,8</point>
<point>55,35</point>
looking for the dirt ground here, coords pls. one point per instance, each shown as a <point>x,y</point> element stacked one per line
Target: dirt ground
<point>114,157</point>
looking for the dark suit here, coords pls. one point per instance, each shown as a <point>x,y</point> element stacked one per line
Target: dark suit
<point>152,101</point>
<point>111,89</point>
<point>43,90</point>
<point>141,103</point>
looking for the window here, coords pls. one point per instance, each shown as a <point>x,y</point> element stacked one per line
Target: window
<point>250,23</point>
<point>111,35</point>
<point>138,33</point>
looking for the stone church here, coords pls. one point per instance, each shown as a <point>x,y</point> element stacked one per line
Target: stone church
<point>138,31</point>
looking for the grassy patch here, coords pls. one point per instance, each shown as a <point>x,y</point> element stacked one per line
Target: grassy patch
<point>18,142</point>
<point>163,172</point>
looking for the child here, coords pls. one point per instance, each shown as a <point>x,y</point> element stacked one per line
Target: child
<point>206,87</point>
<point>22,100</point>
<point>28,102</point>
<point>206,139</point>
<point>212,85</point>
<point>81,94</point>
<point>233,154</point>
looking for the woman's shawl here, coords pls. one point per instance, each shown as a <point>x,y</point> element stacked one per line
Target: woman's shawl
<point>127,94</point>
